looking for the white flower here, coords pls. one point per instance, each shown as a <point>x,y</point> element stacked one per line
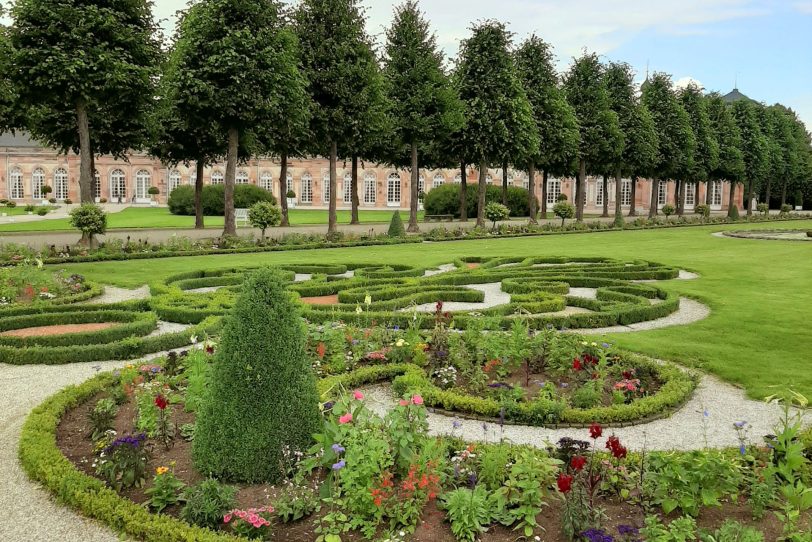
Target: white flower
<point>358,309</point>
<point>193,339</point>
<point>368,299</point>
<point>400,342</point>
<point>39,263</point>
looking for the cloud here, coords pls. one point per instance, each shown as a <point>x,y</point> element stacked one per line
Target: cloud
<point>803,7</point>
<point>683,82</point>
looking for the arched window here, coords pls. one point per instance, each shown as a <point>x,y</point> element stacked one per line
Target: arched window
<point>488,179</point>
<point>61,183</point>
<point>174,180</point>
<point>716,194</point>
<point>348,188</point>
<point>15,180</point>
<point>662,191</point>
<point>421,188</point>
<point>142,183</point>
<point>626,192</point>
<point>217,177</point>
<point>306,193</point>
<point>193,176</point>
<point>37,182</point>
<point>118,185</point>
<point>393,189</point>
<point>266,181</point>
<point>458,179</point>
<point>553,191</point>
<point>370,190</point>
<point>439,180</point>
<point>96,189</point>
<point>690,195</point>
<point>325,190</point>
<point>241,177</point>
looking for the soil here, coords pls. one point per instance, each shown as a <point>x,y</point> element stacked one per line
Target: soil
<point>62,329</point>
<point>321,300</point>
<point>74,442</point>
<point>471,265</point>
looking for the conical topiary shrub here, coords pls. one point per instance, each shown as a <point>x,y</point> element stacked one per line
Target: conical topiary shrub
<point>263,393</point>
<point>396,226</point>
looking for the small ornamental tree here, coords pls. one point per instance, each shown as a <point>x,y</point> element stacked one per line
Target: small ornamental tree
<point>703,210</point>
<point>263,394</point>
<point>496,212</point>
<point>46,190</point>
<point>153,191</point>
<point>563,210</point>
<point>396,226</point>
<point>668,210</point>
<point>264,214</point>
<point>91,220</point>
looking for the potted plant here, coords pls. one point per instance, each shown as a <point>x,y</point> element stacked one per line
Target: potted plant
<point>291,195</point>
<point>153,191</point>
<point>45,190</point>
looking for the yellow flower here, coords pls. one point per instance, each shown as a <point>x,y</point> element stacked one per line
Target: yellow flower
<point>161,470</point>
<point>400,342</point>
<point>368,299</point>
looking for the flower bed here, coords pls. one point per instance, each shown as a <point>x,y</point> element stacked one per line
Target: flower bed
<point>772,235</point>
<point>30,284</point>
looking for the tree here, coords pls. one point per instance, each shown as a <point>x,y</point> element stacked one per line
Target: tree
<point>263,215</point>
<point>263,395</point>
<point>424,107</point>
<point>563,210</point>
<point>496,212</point>
<point>239,78</point>
<point>10,116</point>
<point>635,123</point>
<point>730,166</point>
<point>753,146</point>
<point>498,117</point>
<point>555,119</point>
<point>91,220</point>
<point>706,156</point>
<point>343,78</point>
<point>85,68</point>
<point>601,140</point>
<point>675,137</point>
<point>396,226</point>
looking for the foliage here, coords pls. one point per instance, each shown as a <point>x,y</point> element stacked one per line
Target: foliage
<point>444,200</point>
<point>702,210</point>
<point>165,490</point>
<point>468,511</point>
<point>682,529</point>
<point>263,393</point>
<point>296,502</point>
<point>521,498</point>
<point>90,219</point>
<point>496,212</point>
<point>564,210</point>
<point>181,200</point>
<point>207,502</point>
<point>733,531</point>
<point>707,152</point>
<point>264,214</point>
<point>102,417</point>
<point>668,210</point>
<point>724,128</point>
<point>123,463</point>
<point>396,228</point>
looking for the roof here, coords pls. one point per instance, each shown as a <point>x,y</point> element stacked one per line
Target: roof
<point>20,139</point>
<point>734,96</point>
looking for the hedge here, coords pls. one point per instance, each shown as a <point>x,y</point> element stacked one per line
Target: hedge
<point>445,200</point>
<point>132,324</point>
<point>182,199</point>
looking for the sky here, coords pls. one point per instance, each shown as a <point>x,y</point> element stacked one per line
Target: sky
<point>765,46</point>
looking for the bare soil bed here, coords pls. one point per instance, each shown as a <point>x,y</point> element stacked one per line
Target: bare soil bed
<point>61,329</point>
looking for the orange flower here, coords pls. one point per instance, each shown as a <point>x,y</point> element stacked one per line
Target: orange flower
<point>321,349</point>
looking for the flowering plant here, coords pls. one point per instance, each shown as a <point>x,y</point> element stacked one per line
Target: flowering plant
<point>166,489</point>
<point>251,523</point>
<point>123,464</point>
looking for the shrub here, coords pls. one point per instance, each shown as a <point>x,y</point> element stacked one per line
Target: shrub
<point>11,204</point>
<point>102,200</point>
<point>29,208</point>
<point>263,394</point>
<point>68,201</point>
<point>786,209</point>
<point>733,212</point>
<point>153,191</point>
<point>182,199</point>
<point>445,199</point>
<point>207,502</point>
<point>561,197</point>
<point>496,212</point>
<point>563,210</point>
<point>45,190</point>
<point>290,194</point>
<point>668,210</point>
<point>51,200</point>
<point>702,210</point>
<point>763,208</point>
<point>90,219</point>
<point>42,211</point>
<point>264,214</point>
<point>396,226</point>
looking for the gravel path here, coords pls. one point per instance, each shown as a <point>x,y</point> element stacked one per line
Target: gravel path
<point>113,294</point>
<point>689,311</point>
<point>445,268</point>
<point>686,429</point>
<point>494,296</point>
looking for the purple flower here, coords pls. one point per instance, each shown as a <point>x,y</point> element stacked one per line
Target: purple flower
<point>628,530</point>
<point>605,345</point>
<point>596,535</point>
<point>472,479</point>
<point>500,385</point>
<point>441,353</point>
<point>739,425</point>
<point>340,465</point>
<point>456,424</point>
<point>355,341</point>
<point>564,385</point>
<point>705,413</point>
<point>396,328</point>
<point>338,448</point>
<point>328,405</point>
<point>743,449</point>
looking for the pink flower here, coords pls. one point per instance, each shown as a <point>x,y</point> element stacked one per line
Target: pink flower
<point>253,518</point>
<point>227,518</point>
<point>357,395</point>
<point>416,399</point>
<point>346,418</point>
<point>404,402</point>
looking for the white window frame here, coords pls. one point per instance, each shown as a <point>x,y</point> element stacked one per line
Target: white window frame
<point>553,191</point>
<point>16,188</point>
<point>306,188</point>
<point>716,195</point>
<point>173,180</point>
<point>60,183</point>
<point>217,177</point>
<point>347,188</point>
<point>325,191</point>
<point>421,188</point>
<point>458,179</point>
<point>143,180</point>
<point>599,193</point>
<point>37,182</point>
<point>95,188</point>
<point>393,190</point>
<point>662,194</point>
<point>118,185</point>
<point>690,195</point>
<point>439,180</point>
<point>266,181</point>
<point>625,192</point>
<point>241,177</point>
<point>370,188</point>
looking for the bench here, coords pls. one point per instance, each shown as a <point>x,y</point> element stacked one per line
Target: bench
<point>241,215</point>
<point>429,218</point>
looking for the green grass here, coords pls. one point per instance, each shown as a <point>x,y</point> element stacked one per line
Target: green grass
<point>758,335</point>
<point>160,217</point>
<point>20,210</point>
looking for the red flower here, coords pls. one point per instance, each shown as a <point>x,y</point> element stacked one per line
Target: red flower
<point>576,364</point>
<point>439,306</point>
<point>564,482</point>
<point>595,430</point>
<point>577,462</point>
<point>321,349</point>
<point>160,401</point>
<point>618,450</point>
<point>209,349</point>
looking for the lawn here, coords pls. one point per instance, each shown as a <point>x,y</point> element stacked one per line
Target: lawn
<point>758,334</point>
<point>160,217</point>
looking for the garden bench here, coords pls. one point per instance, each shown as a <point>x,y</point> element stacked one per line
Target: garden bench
<point>241,215</point>
<point>438,218</point>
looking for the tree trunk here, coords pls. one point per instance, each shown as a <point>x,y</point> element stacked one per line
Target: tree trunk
<point>480,203</point>
<point>504,182</point>
<point>354,188</point>
<point>544,194</point>
<point>283,189</point>
<point>414,186</point>
<point>784,192</point>
<point>463,194</point>
<point>85,153</point>
<point>655,190</point>
<point>618,197</point>
<point>531,176</point>
<point>749,199</point>
<point>199,165</point>
<point>633,196</point>
<point>331,220</point>
<point>605,195</point>
<point>580,186</point>
<point>707,193</point>
<point>231,174</point>
<point>680,195</point>
<point>731,200</point>
<point>769,192</point>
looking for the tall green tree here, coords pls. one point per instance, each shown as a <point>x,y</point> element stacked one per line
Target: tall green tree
<point>706,155</point>
<point>554,116</point>
<point>675,136</point>
<point>640,139</point>
<point>799,170</point>
<point>777,135</point>
<point>753,146</point>
<point>601,140</point>
<point>344,81</point>
<point>730,167</point>
<point>499,117</point>
<point>423,105</point>
<point>10,117</point>
<point>85,67</point>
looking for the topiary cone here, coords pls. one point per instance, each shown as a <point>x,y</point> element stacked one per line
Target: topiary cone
<point>263,394</point>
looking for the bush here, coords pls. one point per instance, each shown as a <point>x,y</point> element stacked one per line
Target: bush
<point>786,209</point>
<point>68,201</point>
<point>496,212</point>
<point>763,208</point>
<point>29,208</point>
<point>561,197</point>
<point>263,215</point>
<point>42,211</point>
<point>102,200</point>
<point>11,204</point>
<point>563,210</point>
<point>90,219</point>
<point>45,190</point>
<point>445,200</point>
<point>290,194</point>
<point>396,226</point>
<point>153,191</point>
<point>668,210</point>
<point>207,502</point>
<point>52,200</point>
<point>182,199</point>
<point>263,394</point>
<point>703,210</point>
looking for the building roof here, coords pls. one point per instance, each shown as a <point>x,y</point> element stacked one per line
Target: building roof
<point>19,139</point>
<point>734,96</point>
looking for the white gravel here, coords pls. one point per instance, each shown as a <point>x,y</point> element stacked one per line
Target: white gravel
<point>301,277</point>
<point>203,290</point>
<point>689,311</point>
<point>586,293</point>
<point>346,274</point>
<point>445,268</point>
<point>113,294</point>
<point>686,429</point>
<point>168,327</point>
<point>494,296</point>
<point>687,275</point>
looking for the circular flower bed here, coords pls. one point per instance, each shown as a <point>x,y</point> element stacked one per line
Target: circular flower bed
<point>772,235</point>
<point>31,285</point>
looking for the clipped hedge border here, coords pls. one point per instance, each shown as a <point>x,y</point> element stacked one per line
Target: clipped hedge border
<point>764,235</point>
<point>131,324</point>
<point>128,348</point>
<point>44,462</point>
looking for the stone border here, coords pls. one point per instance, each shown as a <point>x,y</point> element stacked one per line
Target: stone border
<point>765,235</point>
